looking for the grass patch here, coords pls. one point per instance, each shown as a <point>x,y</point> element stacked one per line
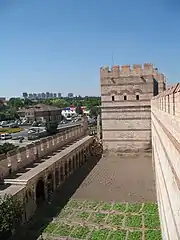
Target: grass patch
<point>10,130</point>
<point>153,235</point>
<point>152,221</point>
<point>121,207</point>
<point>117,235</point>
<point>150,208</point>
<point>80,232</point>
<point>100,234</point>
<point>75,203</point>
<point>134,208</point>
<point>50,228</point>
<point>98,218</point>
<point>115,219</point>
<point>81,215</point>
<point>91,205</point>
<point>63,230</point>
<point>135,235</point>
<point>65,213</point>
<point>105,206</point>
<point>133,221</point>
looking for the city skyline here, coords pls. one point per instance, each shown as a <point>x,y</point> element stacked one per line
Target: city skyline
<point>61,45</point>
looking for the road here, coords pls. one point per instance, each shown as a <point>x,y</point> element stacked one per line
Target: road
<point>24,133</point>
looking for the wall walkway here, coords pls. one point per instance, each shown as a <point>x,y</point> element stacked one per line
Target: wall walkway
<point>165,113</point>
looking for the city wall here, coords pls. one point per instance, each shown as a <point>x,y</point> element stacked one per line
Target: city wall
<point>165,114</point>
<point>23,156</point>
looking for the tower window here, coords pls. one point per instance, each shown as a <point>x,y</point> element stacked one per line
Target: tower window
<point>137,97</point>
<point>125,98</point>
<point>113,98</point>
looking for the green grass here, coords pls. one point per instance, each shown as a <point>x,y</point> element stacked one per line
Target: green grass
<point>65,213</point>
<point>105,206</point>
<point>135,235</point>
<point>152,221</point>
<point>100,234</point>
<point>105,221</point>
<point>50,228</point>
<point>75,203</point>
<point>81,215</point>
<point>98,218</point>
<point>63,230</point>
<point>153,235</point>
<point>134,208</point>
<point>91,205</point>
<point>121,207</point>
<point>80,232</point>
<point>134,221</point>
<point>117,235</point>
<point>115,219</point>
<point>10,130</point>
<point>150,208</point>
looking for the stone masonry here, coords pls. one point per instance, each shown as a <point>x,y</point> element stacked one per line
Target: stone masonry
<point>125,100</point>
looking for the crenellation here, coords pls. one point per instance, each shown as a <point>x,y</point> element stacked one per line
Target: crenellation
<point>21,157</point>
<point>117,71</point>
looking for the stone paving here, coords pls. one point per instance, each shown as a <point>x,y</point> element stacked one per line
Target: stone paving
<point>110,199</point>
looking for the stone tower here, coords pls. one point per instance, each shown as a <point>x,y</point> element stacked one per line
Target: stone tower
<point>125,100</point>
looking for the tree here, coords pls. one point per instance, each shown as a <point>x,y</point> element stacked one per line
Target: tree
<point>95,111</point>
<point>51,127</point>
<point>10,213</point>
<point>15,103</point>
<point>6,147</point>
<point>79,110</point>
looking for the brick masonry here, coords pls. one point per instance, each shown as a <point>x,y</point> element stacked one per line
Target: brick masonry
<point>125,95</point>
<point>166,155</point>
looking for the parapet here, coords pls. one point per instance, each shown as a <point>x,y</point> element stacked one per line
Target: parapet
<point>127,70</point>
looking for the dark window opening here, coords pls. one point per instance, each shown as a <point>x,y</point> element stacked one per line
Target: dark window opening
<point>113,98</point>
<point>137,97</point>
<point>125,98</point>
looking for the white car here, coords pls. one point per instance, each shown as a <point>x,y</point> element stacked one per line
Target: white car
<point>5,136</point>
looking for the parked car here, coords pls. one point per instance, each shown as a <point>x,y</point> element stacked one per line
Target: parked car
<point>5,136</point>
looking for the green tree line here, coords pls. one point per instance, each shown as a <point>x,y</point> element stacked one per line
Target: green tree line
<point>9,111</point>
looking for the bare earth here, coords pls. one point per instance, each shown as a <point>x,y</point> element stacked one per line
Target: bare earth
<point>125,179</point>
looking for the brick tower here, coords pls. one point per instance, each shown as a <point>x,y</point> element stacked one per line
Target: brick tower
<point>125,100</point>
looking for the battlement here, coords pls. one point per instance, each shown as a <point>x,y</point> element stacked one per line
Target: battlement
<point>19,158</point>
<point>127,70</point>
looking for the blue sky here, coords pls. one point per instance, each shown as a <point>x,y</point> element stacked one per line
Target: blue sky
<point>59,45</point>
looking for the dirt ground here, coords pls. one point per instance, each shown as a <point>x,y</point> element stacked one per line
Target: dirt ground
<point>117,178</point>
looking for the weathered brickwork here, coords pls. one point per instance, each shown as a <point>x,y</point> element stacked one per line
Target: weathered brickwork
<point>125,99</point>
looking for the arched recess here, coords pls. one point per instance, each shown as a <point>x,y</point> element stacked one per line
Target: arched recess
<point>57,178</point>
<point>61,174</point>
<point>77,160</point>
<point>69,165</point>
<point>50,186</point>
<point>74,163</point>
<point>82,157</point>
<point>40,192</point>
<point>137,91</point>
<point>124,92</point>
<point>85,155</point>
<point>113,92</point>
<point>66,169</point>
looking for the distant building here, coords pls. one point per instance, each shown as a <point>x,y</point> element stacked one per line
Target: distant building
<point>35,96</point>
<point>70,95</point>
<point>40,112</point>
<point>25,95</point>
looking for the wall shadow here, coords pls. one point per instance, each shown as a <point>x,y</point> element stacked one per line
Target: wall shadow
<point>45,213</point>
